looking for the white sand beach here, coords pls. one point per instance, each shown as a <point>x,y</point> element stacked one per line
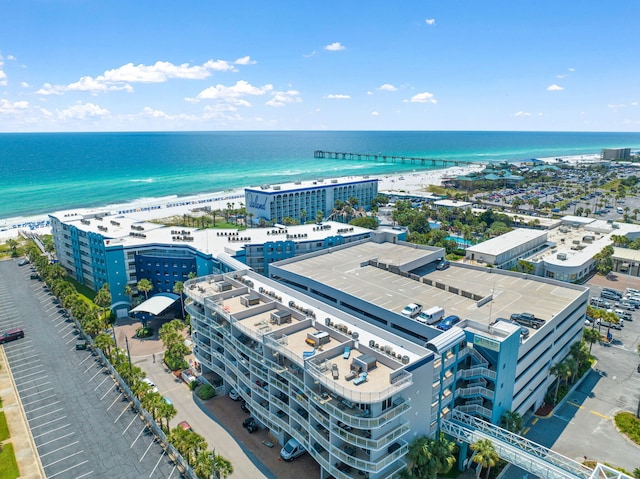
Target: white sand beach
<point>147,209</point>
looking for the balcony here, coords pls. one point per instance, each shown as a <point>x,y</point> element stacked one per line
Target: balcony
<point>373,444</point>
<point>353,457</point>
<point>475,391</point>
<point>354,417</point>
<point>477,372</point>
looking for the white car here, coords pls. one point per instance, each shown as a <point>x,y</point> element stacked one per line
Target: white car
<point>235,395</point>
<point>151,385</point>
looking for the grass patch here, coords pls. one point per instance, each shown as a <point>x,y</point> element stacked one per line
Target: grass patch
<point>611,184</point>
<point>81,288</point>
<point>629,424</point>
<point>8,463</point>
<point>4,429</point>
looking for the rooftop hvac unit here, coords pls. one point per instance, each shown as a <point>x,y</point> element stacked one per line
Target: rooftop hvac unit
<point>355,335</point>
<point>327,321</point>
<point>372,343</point>
<point>562,256</point>
<point>405,359</point>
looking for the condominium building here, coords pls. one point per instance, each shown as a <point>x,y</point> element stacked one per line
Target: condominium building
<point>302,200</point>
<point>321,352</point>
<point>100,248</point>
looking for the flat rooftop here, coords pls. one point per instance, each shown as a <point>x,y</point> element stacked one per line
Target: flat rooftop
<point>311,184</point>
<point>507,241</point>
<point>345,270</point>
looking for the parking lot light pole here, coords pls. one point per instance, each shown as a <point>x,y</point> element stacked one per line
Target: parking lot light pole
<point>126,341</point>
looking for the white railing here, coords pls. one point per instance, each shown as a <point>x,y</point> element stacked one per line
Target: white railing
<point>477,371</point>
<point>475,391</point>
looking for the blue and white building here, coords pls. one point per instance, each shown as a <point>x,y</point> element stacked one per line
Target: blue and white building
<point>273,203</point>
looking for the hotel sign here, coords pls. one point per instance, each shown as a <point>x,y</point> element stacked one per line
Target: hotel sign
<point>254,201</point>
<point>486,343</point>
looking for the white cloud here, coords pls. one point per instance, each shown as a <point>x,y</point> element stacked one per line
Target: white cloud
<point>7,107</point>
<point>120,78</point>
<point>387,87</point>
<point>245,61</point>
<point>522,113</point>
<point>11,57</point>
<point>24,84</point>
<point>634,103</point>
<point>424,97</point>
<point>82,111</point>
<point>554,87</point>
<point>561,76</point>
<point>614,106</point>
<point>3,75</point>
<point>148,111</point>
<point>571,69</point>
<point>309,55</point>
<point>375,113</point>
<point>430,21</point>
<point>337,96</point>
<point>232,94</point>
<point>334,47</point>
<point>281,98</point>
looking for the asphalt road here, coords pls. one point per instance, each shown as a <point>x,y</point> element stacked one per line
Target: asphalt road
<point>83,427</point>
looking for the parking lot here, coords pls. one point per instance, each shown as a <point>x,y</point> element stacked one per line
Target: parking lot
<point>583,425</point>
<point>81,423</point>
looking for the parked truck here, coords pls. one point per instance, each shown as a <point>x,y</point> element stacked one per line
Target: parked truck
<point>527,319</point>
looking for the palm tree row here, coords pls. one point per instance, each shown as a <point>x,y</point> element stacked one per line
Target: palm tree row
<point>567,370</point>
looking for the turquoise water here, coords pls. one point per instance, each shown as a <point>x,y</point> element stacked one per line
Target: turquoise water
<point>44,172</point>
<point>461,241</point>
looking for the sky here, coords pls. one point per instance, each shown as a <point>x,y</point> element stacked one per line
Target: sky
<point>139,65</point>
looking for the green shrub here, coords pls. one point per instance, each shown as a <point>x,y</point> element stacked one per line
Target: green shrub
<point>193,385</point>
<point>205,392</point>
<point>629,424</point>
<point>4,429</point>
<point>145,332</point>
<point>175,363</point>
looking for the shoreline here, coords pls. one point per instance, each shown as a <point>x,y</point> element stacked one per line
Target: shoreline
<point>171,205</point>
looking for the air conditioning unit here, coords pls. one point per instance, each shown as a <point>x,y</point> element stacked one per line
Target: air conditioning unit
<point>562,256</point>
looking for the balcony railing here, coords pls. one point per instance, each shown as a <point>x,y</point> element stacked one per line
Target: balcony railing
<point>478,371</point>
<point>352,419</point>
<point>475,391</point>
<point>373,444</point>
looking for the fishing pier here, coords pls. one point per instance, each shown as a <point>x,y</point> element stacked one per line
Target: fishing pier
<point>380,158</point>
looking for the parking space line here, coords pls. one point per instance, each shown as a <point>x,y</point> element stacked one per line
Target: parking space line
<point>137,437</point>
<point>574,404</point>
<point>59,449</point>
<point>81,362</point>
<point>158,463</point>
<point>35,394</point>
<point>60,460</point>
<point>172,471</point>
<point>106,378</point>
<point>36,386</point>
<point>42,407</point>
<point>56,439</point>
<point>68,469</point>
<point>120,415</point>
<point>126,428</point>
<point>99,371</point>
<point>601,415</point>
<point>87,370</point>
<point>84,475</point>
<point>105,394</point>
<point>31,380</point>
<point>19,378</point>
<point>145,452</point>
<point>114,401</point>
<point>29,369</point>
<point>53,430</point>
<point>39,400</point>
<point>49,422</point>
<point>70,332</point>
<point>46,414</point>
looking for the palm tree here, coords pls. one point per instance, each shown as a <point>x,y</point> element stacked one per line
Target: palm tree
<point>178,288</point>
<point>105,342</point>
<point>152,402</point>
<point>560,370</point>
<point>128,291</point>
<point>145,286</point>
<point>428,457</point>
<point>591,336</point>
<point>13,245</point>
<point>511,421</point>
<point>579,352</point>
<point>485,455</point>
<point>166,412</point>
<point>222,467</point>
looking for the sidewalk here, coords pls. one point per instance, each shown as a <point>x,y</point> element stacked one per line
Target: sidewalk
<point>23,444</point>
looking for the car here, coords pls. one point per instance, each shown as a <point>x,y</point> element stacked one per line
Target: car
<point>185,425</point>
<point>151,384</point>
<point>443,264</point>
<point>449,322</point>
<point>11,335</point>
<point>167,400</point>
<point>82,344</point>
<point>23,261</point>
<point>411,310</point>
<point>243,406</point>
<point>34,276</point>
<point>250,424</point>
<point>233,394</point>
<point>291,450</point>
<point>528,319</point>
<point>599,303</point>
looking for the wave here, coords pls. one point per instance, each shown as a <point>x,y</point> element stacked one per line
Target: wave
<point>145,180</point>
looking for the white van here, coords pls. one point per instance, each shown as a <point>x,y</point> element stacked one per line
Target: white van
<point>431,315</point>
<point>619,210</point>
<point>291,450</point>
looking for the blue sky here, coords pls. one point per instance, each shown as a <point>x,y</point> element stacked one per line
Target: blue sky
<point>90,65</point>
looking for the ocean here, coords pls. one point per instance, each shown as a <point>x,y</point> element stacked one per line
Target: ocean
<point>46,172</point>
